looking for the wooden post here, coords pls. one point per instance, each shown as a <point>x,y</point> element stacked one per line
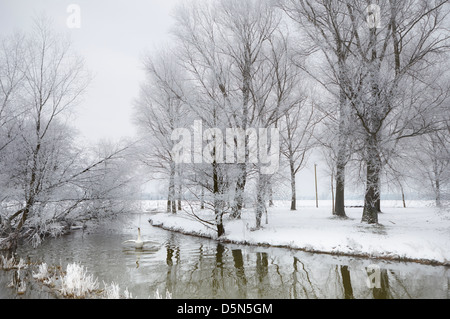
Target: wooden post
<point>332,194</point>
<point>315,176</point>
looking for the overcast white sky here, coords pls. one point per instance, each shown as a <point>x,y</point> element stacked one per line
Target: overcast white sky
<point>112,38</point>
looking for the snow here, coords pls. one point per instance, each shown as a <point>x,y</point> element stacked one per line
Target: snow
<point>76,282</point>
<point>418,233</point>
<point>42,273</point>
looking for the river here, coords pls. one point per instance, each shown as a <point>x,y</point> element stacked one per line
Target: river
<point>191,267</point>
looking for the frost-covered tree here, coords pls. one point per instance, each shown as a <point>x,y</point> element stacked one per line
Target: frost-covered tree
<point>432,157</point>
<point>12,65</point>
<point>393,61</point>
<point>52,82</point>
<point>294,114</point>
<point>325,26</point>
<point>48,176</point>
<point>159,111</point>
<point>223,47</point>
<point>381,57</point>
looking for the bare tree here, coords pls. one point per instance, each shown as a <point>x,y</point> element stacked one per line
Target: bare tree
<point>160,111</point>
<point>49,175</point>
<point>223,45</point>
<point>294,118</point>
<point>375,59</point>
<point>12,108</point>
<point>432,154</point>
<point>53,82</point>
<point>393,59</point>
<point>327,26</point>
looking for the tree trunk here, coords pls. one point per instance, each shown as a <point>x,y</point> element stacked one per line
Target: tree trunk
<point>242,177</point>
<point>271,204</point>
<point>372,195</point>
<point>220,227</point>
<point>339,204</point>
<point>218,201</point>
<point>339,208</point>
<point>403,196</point>
<point>259,210</point>
<point>437,190</point>
<point>171,202</point>
<point>239,191</point>
<point>293,188</point>
<point>33,189</point>
<point>179,196</point>
<point>438,193</point>
<point>261,199</point>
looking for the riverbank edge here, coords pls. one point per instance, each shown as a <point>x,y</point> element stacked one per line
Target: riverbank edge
<point>225,240</point>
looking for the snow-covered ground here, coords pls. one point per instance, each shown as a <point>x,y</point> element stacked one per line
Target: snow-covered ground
<point>416,233</point>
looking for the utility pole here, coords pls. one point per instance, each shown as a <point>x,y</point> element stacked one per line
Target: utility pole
<point>332,194</point>
<point>315,176</point>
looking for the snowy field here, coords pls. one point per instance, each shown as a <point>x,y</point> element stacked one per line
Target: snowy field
<point>416,233</point>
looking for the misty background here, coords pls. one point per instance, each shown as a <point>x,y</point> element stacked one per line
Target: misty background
<point>112,38</point>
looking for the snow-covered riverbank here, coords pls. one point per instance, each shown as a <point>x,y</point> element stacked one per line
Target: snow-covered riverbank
<point>420,233</point>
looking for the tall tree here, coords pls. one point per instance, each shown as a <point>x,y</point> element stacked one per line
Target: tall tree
<point>392,60</point>
<point>159,111</point>
<point>223,45</point>
<point>54,79</point>
<point>50,178</point>
<point>327,27</point>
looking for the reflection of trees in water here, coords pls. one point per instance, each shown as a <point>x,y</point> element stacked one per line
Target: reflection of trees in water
<point>390,284</point>
<point>194,287</point>
<point>221,272</point>
<point>217,271</point>
<point>241,280</point>
<point>302,286</point>
<point>378,283</point>
<point>262,271</point>
<point>278,271</point>
<point>172,261</point>
<point>346,282</point>
<point>402,291</point>
<point>410,285</point>
<point>382,292</point>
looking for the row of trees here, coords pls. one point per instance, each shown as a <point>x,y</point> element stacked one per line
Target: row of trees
<point>252,86</point>
<point>231,68</point>
<point>48,180</point>
<point>364,82</point>
<point>387,70</point>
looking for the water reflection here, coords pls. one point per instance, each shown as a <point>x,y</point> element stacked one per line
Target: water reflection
<point>241,279</point>
<point>346,282</point>
<point>220,271</point>
<point>382,291</point>
<point>139,252</point>
<point>190,267</point>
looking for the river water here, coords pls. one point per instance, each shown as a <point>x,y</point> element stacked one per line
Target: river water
<point>191,267</point>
